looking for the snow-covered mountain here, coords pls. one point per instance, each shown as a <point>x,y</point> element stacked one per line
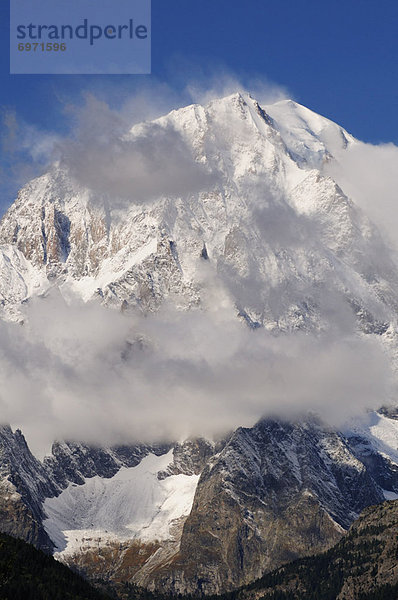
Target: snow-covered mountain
<point>290,251</point>
<point>279,235</point>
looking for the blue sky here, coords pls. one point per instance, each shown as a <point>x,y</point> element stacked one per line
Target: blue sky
<point>338,58</point>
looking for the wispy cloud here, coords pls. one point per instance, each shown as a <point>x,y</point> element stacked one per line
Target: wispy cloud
<point>369,175</point>
<point>134,167</point>
<point>26,152</point>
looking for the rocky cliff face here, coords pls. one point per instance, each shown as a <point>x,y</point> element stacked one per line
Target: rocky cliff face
<point>362,565</point>
<point>24,484</point>
<point>72,462</point>
<point>275,492</point>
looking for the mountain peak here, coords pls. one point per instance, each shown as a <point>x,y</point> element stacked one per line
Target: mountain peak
<point>309,136</point>
<point>243,180</point>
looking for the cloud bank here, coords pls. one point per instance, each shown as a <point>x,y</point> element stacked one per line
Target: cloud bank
<point>83,372</point>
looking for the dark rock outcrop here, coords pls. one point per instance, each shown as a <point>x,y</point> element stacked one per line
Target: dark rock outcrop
<point>276,492</point>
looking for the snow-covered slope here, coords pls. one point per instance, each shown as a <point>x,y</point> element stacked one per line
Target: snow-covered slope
<point>310,138</point>
<point>374,441</point>
<point>19,280</point>
<point>380,431</point>
<point>134,503</point>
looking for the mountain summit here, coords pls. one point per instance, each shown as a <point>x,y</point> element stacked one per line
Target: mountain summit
<point>232,184</point>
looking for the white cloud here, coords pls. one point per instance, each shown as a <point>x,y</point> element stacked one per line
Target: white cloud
<point>369,175</point>
<point>69,373</point>
<point>224,83</point>
<point>127,168</point>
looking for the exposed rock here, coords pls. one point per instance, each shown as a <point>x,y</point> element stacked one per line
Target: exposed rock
<point>190,457</point>
<point>23,486</point>
<point>274,493</point>
<point>362,565</point>
<point>72,462</point>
